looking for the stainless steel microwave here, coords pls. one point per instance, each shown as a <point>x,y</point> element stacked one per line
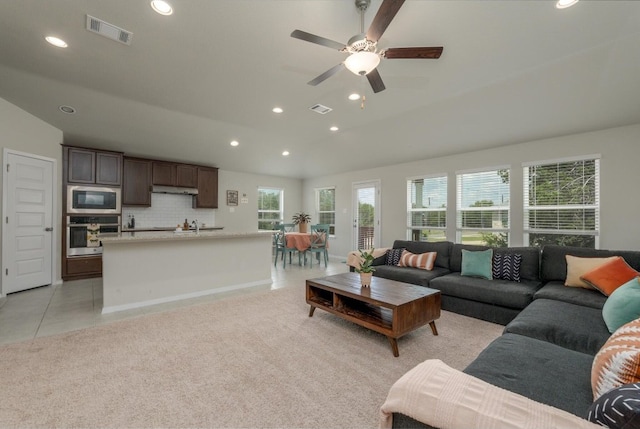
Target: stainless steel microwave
<point>93,199</point>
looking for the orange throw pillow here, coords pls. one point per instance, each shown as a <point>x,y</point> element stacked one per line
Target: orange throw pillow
<point>610,276</point>
<point>424,261</point>
<point>618,361</point>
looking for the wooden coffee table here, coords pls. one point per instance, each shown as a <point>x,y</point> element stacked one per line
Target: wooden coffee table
<point>389,307</point>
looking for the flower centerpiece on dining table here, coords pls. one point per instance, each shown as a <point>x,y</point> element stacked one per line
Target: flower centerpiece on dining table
<point>366,268</point>
<point>301,219</point>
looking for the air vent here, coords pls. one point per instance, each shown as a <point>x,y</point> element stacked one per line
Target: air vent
<point>319,108</point>
<point>109,31</point>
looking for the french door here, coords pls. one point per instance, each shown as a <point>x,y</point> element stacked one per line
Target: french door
<point>366,214</point>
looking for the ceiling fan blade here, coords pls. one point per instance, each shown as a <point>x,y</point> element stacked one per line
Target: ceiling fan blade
<point>326,75</point>
<point>376,81</point>
<point>308,37</point>
<point>432,52</point>
<point>381,21</point>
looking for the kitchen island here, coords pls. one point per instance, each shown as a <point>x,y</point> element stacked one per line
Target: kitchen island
<point>148,268</point>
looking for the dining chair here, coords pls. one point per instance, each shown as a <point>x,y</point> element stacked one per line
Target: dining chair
<point>319,243</point>
<point>281,243</point>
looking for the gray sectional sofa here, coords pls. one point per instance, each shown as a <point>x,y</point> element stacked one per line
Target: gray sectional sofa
<point>552,331</point>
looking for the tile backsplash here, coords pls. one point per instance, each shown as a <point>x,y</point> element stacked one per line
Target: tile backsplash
<point>168,210</point>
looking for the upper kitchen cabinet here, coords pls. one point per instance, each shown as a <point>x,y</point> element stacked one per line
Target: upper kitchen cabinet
<point>136,187</point>
<point>207,197</point>
<point>93,167</point>
<point>173,174</point>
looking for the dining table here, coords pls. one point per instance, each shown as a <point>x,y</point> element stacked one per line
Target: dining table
<point>299,240</point>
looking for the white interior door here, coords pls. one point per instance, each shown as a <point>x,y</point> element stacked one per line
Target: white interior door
<point>27,224</point>
<point>366,215</point>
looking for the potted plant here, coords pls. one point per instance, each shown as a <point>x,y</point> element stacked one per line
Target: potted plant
<point>301,219</point>
<point>366,269</point>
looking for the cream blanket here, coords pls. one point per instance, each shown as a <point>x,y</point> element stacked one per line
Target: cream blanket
<point>354,259</point>
<point>445,398</point>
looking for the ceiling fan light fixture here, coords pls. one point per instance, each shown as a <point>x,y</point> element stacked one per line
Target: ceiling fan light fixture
<point>362,63</point>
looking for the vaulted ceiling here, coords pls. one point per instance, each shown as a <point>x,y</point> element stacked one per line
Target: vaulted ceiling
<point>189,83</point>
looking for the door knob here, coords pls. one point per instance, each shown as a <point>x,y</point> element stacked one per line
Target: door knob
<point>48,229</point>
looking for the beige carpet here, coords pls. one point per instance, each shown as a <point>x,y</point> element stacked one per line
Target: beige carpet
<point>256,360</point>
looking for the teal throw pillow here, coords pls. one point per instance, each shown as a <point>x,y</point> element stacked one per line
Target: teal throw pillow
<point>477,263</point>
<point>623,305</point>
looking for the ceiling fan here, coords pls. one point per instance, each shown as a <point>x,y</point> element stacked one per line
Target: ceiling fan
<point>364,55</point>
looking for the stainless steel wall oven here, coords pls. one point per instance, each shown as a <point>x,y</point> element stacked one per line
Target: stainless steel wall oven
<point>83,233</point>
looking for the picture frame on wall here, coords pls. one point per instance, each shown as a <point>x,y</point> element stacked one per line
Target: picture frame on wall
<point>232,198</point>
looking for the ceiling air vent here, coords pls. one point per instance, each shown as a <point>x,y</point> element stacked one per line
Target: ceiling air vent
<point>109,31</point>
<point>319,108</point>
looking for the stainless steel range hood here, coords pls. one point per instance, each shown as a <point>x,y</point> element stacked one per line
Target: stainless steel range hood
<point>173,190</point>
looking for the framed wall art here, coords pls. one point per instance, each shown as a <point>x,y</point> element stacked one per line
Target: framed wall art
<point>232,198</point>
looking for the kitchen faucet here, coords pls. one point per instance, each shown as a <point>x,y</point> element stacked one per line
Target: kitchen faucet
<point>197,225</point>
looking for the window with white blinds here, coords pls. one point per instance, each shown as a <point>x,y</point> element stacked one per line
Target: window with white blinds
<point>326,207</point>
<point>482,213</point>
<point>270,208</point>
<point>427,208</point>
<point>562,202</point>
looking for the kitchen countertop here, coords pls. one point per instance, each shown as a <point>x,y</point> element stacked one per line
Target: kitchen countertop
<point>168,228</point>
<point>160,235</point>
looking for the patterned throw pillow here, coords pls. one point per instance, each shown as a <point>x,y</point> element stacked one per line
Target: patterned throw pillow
<point>424,261</point>
<point>507,266</point>
<point>618,361</point>
<point>618,408</point>
<point>393,256</point>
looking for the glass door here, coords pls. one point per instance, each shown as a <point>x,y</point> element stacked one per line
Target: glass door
<point>366,215</point>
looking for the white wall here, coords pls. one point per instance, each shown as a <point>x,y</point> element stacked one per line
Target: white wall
<point>244,216</point>
<point>620,174</point>
<point>23,132</point>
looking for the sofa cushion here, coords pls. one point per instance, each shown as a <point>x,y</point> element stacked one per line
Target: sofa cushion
<point>497,292</point>
<point>554,266</point>
<point>442,248</point>
<point>571,326</point>
<point>506,266</point>
<point>618,408</point>
<point>529,269</point>
<point>393,256</point>
<point>623,305</point>
<point>423,261</point>
<point>618,361</point>
<point>539,370</point>
<point>610,276</point>
<point>414,276</point>
<point>577,267</point>
<point>477,263</point>
<point>558,291</point>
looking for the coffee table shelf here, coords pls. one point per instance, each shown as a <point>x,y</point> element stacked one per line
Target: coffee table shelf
<point>389,307</point>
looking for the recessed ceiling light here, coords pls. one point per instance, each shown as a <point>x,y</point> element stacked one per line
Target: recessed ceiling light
<point>277,110</point>
<point>354,97</point>
<point>56,42</point>
<point>334,128</point>
<point>234,143</point>
<point>67,109</point>
<point>563,4</point>
<point>162,7</point>
<point>285,153</point>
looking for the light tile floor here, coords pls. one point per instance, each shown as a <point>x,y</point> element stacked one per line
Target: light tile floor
<point>77,304</point>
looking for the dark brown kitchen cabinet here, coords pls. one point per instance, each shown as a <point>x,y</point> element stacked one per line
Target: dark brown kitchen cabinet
<point>207,197</point>
<point>82,267</point>
<point>173,174</point>
<point>187,176</point>
<point>93,167</point>
<point>136,182</point>
<point>164,173</point>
